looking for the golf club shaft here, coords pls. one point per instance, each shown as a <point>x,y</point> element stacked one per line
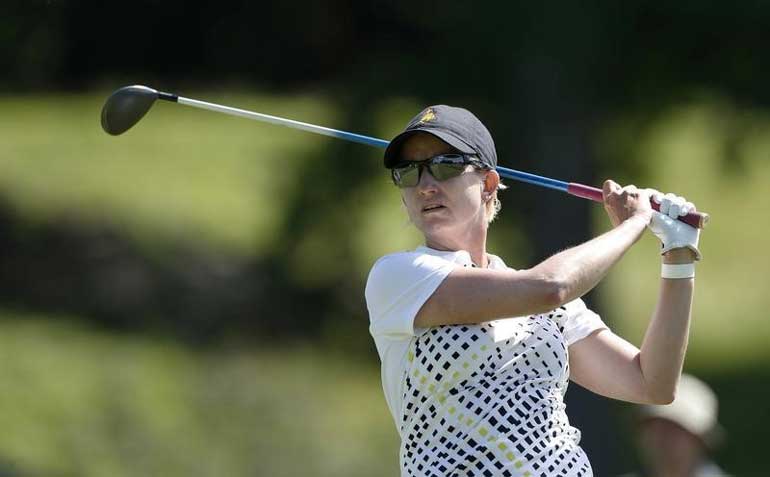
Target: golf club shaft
<point>369,141</point>
<point>695,219</point>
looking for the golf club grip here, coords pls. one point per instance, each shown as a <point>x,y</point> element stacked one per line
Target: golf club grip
<point>695,219</point>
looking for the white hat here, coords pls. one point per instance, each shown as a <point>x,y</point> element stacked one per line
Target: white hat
<point>695,408</point>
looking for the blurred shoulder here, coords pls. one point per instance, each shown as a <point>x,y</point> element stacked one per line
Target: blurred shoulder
<point>412,259</point>
<point>401,273</point>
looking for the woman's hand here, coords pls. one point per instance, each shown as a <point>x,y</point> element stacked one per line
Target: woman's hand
<point>623,203</point>
<point>675,236</point>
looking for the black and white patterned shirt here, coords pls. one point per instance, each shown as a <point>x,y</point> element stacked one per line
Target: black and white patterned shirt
<point>482,399</point>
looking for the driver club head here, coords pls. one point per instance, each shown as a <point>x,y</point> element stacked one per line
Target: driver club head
<point>125,107</point>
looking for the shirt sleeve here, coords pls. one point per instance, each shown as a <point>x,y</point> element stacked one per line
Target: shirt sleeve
<point>579,321</point>
<point>398,286</point>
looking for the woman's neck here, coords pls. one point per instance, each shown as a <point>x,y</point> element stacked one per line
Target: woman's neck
<point>476,248</point>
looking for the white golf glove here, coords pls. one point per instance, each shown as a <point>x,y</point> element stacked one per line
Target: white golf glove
<point>664,224</point>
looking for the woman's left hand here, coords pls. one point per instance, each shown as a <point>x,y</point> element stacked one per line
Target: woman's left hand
<point>622,203</point>
<point>673,233</point>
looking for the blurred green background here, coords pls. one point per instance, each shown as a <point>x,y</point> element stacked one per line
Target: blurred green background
<point>187,299</point>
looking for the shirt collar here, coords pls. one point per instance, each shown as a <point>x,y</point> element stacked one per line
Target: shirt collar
<point>461,257</point>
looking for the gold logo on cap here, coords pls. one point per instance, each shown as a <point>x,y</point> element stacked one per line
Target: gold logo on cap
<point>428,116</point>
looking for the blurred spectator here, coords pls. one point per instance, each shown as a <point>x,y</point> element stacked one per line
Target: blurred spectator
<point>676,440</point>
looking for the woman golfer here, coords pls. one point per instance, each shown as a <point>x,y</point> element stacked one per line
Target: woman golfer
<point>476,356</point>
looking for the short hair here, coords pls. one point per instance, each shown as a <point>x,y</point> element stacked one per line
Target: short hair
<point>493,205</point>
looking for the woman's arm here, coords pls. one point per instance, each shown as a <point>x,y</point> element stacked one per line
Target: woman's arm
<point>470,295</point>
<point>609,365</point>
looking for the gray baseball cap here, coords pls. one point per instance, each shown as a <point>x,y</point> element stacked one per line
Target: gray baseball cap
<point>457,127</point>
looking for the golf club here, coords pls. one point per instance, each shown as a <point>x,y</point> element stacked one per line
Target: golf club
<point>128,105</point>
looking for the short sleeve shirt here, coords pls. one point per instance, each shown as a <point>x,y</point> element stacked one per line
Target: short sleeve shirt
<point>478,399</point>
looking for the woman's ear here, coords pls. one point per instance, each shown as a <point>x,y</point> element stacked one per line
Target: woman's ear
<point>489,184</point>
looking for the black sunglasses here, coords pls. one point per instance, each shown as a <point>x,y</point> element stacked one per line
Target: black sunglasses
<point>441,167</point>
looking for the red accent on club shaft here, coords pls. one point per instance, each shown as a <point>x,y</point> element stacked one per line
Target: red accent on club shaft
<point>584,191</point>
<point>695,219</point>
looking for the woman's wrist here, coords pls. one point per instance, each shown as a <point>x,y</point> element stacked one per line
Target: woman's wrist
<point>677,256</point>
<point>678,263</point>
<point>636,225</point>
<point>639,221</point>
<point>677,271</point>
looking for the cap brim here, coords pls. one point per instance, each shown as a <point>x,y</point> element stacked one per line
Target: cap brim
<point>394,148</point>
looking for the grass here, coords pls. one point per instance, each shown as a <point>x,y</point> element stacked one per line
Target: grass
<point>78,402</point>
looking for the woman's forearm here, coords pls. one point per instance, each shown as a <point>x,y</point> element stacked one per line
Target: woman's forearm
<point>577,270</point>
<point>473,295</point>
<point>665,341</point>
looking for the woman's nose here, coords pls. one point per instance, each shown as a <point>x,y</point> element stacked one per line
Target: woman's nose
<point>427,182</point>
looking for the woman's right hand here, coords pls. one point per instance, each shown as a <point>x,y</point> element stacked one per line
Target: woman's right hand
<point>623,203</point>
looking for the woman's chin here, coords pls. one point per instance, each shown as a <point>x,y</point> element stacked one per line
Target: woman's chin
<point>435,229</point>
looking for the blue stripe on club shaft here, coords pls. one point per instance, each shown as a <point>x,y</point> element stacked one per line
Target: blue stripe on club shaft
<point>532,179</point>
<point>359,138</point>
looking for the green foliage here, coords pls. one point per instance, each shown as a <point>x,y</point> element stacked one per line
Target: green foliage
<point>79,402</point>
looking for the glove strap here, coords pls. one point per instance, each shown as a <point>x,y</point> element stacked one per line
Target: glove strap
<point>685,270</point>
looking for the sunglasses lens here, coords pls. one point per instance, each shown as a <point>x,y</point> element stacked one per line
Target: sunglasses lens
<point>407,176</point>
<point>442,167</point>
<point>443,172</point>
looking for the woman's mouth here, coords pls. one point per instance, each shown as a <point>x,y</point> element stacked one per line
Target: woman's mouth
<point>432,208</point>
